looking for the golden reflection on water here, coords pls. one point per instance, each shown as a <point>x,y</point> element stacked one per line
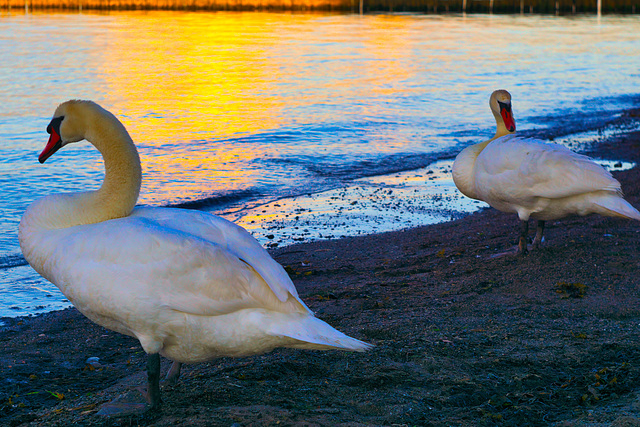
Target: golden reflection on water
<point>202,71</point>
<point>176,78</point>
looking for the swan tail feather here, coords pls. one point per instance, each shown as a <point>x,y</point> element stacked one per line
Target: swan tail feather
<point>618,207</point>
<point>311,333</point>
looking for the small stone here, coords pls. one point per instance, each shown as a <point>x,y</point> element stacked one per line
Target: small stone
<point>93,362</point>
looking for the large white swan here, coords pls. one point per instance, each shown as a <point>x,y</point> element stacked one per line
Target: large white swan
<point>535,179</point>
<point>188,285</point>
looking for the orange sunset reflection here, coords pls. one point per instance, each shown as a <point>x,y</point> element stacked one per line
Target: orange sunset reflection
<point>198,91</point>
<point>176,78</point>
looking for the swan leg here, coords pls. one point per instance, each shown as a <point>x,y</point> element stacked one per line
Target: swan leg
<point>524,235</point>
<point>137,401</point>
<point>153,380</point>
<point>174,373</point>
<point>539,232</point>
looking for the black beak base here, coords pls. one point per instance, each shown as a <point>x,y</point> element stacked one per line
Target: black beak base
<point>55,141</point>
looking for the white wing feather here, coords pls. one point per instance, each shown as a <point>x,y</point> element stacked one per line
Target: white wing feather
<point>159,267</point>
<point>230,236</point>
<point>526,168</point>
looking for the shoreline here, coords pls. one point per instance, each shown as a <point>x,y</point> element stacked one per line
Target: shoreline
<point>369,205</point>
<point>462,338</point>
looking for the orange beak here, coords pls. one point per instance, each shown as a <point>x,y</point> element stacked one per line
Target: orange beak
<point>55,141</point>
<point>507,116</point>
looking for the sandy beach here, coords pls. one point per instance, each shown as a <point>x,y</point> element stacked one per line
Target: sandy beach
<point>463,338</point>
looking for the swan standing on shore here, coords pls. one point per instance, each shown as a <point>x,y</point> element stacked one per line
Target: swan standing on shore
<point>535,179</point>
<point>188,285</point>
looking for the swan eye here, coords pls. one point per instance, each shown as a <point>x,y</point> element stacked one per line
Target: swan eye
<point>504,106</point>
<point>56,122</point>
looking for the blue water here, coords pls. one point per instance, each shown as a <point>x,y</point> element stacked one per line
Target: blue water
<point>232,111</point>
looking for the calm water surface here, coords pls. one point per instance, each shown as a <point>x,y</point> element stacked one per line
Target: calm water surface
<point>231,111</point>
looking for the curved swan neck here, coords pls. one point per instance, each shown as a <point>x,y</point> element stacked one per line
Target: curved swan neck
<point>501,129</point>
<point>499,103</point>
<point>464,167</point>
<point>123,174</point>
<point>119,192</point>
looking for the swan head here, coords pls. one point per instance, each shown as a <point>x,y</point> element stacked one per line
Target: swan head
<point>69,124</point>
<point>500,103</point>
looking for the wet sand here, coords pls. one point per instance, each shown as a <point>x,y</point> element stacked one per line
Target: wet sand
<point>462,337</point>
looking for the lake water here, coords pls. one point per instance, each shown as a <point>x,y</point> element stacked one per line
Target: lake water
<point>297,126</point>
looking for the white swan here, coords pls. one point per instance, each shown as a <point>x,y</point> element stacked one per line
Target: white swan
<point>188,285</point>
<point>535,179</point>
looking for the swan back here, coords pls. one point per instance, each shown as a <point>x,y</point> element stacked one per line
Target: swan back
<point>546,181</point>
<point>537,169</point>
<point>230,236</point>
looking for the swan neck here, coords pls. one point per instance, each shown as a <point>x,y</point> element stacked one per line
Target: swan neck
<point>119,192</point>
<point>116,197</point>
<point>122,176</point>
<point>501,129</point>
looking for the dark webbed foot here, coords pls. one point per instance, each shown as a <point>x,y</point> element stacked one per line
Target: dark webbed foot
<point>510,252</point>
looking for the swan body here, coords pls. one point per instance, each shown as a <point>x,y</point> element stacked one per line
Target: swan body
<point>188,285</point>
<point>535,179</point>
